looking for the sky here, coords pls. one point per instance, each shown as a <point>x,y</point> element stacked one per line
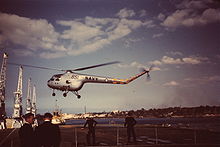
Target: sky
<point>179,37</point>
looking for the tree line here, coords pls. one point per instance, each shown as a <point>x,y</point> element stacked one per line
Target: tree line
<point>201,111</point>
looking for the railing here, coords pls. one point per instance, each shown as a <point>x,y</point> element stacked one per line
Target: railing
<point>74,136</point>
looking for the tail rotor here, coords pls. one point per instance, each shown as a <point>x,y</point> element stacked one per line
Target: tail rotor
<point>148,72</point>
<point>148,77</point>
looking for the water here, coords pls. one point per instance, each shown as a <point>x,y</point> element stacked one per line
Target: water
<point>211,123</point>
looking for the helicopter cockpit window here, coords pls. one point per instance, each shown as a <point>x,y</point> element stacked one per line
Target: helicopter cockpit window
<point>68,82</point>
<point>57,79</point>
<point>52,79</point>
<point>58,76</point>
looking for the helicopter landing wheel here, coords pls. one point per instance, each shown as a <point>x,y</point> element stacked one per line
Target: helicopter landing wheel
<point>64,94</point>
<point>53,94</point>
<point>77,94</point>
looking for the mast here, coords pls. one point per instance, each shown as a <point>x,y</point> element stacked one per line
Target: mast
<point>85,109</point>
<point>28,100</point>
<point>56,109</point>
<point>34,99</point>
<point>2,86</point>
<point>18,96</point>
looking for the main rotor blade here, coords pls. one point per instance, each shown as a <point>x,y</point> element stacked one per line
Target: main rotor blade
<point>40,67</point>
<point>94,66</point>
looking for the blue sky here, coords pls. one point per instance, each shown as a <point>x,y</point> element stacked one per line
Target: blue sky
<point>181,38</point>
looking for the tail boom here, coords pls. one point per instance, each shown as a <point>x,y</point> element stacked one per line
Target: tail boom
<point>126,81</point>
<point>97,79</point>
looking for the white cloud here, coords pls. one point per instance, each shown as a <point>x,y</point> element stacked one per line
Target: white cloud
<point>132,64</point>
<point>203,80</point>
<point>171,83</point>
<point>22,52</point>
<point>79,36</point>
<point>157,35</point>
<point>188,82</point>
<point>34,34</point>
<point>124,27</point>
<point>176,19</point>
<point>170,60</point>
<point>178,61</point>
<point>120,31</point>
<point>155,62</point>
<point>142,13</point>
<point>192,13</point>
<point>194,60</point>
<point>91,34</point>
<point>161,17</point>
<point>79,32</point>
<point>125,13</point>
<point>51,55</point>
<point>175,53</point>
<point>138,65</point>
<point>91,47</point>
<point>130,41</point>
<point>149,23</point>
<point>94,22</point>
<point>155,68</point>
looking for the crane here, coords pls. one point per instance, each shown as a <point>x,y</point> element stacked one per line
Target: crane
<point>34,97</point>
<point>2,91</point>
<point>28,100</point>
<point>18,96</point>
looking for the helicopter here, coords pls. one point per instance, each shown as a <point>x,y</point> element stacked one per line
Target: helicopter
<point>70,81</point>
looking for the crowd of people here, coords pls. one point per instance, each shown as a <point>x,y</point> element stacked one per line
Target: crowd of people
<point>44,135</point>
<point>48,134</point>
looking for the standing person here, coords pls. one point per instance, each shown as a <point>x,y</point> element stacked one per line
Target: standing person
<point>91,132</point>
<point>130,122</point>
<point>48,134</point>
<point>3,122</point>
<point>26,132</point>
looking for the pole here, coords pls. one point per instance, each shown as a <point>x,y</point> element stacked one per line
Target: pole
<point>195,139</point>
<point>156,136</point>
<point>117,139</point>
<point>76,136</point>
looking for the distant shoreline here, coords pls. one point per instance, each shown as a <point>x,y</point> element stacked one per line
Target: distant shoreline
<point>217,116</point>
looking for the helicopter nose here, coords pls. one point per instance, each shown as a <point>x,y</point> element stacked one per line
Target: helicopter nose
<point>49,83</point>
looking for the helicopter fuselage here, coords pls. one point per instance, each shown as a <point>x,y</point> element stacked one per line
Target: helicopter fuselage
<point>71,81</point>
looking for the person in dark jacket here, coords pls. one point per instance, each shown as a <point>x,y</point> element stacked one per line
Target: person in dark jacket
<point>48,134</point>
<point>91,132</point>
<point>130,122</point>
<point>26,132</point>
